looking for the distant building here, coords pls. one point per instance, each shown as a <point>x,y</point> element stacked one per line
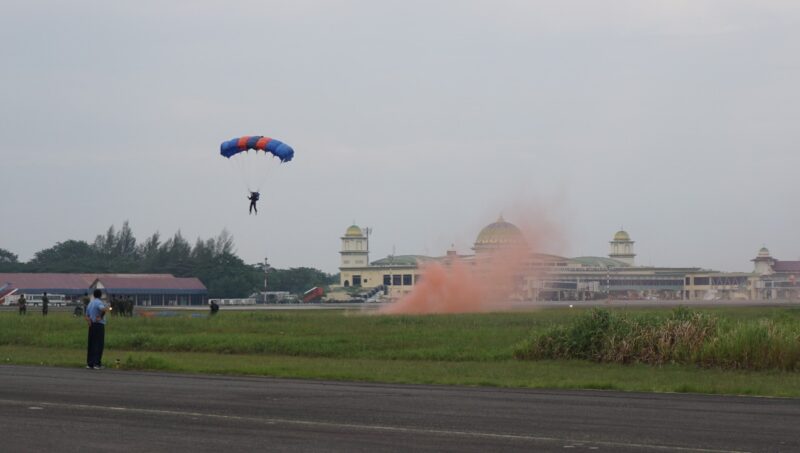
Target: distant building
<point>144,289</point>
<point>158,290</point>
<point>777,278</point>
<point>552,277</point>
<point>622,248</point>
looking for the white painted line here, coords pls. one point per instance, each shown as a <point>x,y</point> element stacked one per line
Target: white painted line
<point>355,426</point>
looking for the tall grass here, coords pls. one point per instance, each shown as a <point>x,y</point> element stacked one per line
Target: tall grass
<point>740,338</point>
<point>682,336</point>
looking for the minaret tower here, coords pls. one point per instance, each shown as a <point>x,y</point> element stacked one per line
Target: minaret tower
<point>622,248</point>
<point>355,248</point>
<point>763,262</point>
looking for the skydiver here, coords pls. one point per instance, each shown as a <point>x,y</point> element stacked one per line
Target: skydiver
<point>254,196</point>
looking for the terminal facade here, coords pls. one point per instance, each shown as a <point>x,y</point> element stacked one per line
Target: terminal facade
<point>550,277</point>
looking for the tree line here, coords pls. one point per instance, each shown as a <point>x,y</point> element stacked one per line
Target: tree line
<point>213,261</point>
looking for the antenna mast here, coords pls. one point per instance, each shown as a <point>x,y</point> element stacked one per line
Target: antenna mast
<point>266,270</point>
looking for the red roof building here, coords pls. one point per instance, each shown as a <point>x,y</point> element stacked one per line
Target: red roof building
<point>144,289</point>
<point>786,266</point>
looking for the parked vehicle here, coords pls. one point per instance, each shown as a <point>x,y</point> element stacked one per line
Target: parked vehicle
<point>35,300</point>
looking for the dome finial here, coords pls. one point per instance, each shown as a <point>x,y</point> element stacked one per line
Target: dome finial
<point>500,218</point>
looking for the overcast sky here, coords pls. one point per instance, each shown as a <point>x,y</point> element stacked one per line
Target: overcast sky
<point>423,120</point>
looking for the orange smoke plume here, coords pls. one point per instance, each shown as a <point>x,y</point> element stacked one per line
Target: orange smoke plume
<point>487,281</point>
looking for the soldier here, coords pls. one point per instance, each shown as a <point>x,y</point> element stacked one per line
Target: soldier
<point>254,196</point>
<point>22,303</point>
<point>85,300</point>
<point>45,303</point>
<point>78,311</point>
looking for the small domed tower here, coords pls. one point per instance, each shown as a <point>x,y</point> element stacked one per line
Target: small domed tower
<point>622,248</point>
<point>355,248</point>
<point>763,262</point>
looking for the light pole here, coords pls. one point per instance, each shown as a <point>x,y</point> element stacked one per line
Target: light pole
<point>266,270</point>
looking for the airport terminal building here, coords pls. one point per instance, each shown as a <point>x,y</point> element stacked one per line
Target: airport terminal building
<point>552,277</point>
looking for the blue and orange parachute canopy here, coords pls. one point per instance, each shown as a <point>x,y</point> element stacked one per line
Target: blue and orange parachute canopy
<point>278,149</point>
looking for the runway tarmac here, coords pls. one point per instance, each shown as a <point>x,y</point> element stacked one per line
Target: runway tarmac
<point>58,409</point>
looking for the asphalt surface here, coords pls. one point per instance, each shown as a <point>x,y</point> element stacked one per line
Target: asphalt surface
<point>57,409</point>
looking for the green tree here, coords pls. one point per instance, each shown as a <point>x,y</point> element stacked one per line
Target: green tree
<point>297,280</point>
<point>67,256</point>
<point>175,256</point>
<point>213,261</point>
<point>9,262</point>
<point>149,253</point>
<point>7,257</point>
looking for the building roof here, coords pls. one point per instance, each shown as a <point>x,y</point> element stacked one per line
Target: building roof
<point>401,260</point>
<point>786,266</point>
<point>763,253</point>
<point>76,284</point>
<point>500,233</point>
<point>48,282</point>
<point>353,231</point>
<point>138,284</point>
<point>598,261</point>
<point>622,235</point>
<point>548,257</point>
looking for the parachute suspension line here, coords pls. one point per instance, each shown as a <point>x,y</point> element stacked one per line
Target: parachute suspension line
<point>264,166</point>
<point>254,169</point>
<point>238,167</point>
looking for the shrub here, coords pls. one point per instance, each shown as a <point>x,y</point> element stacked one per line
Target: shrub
<point>685,337</point>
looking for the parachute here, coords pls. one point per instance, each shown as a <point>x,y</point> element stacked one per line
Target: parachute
<point>278,149</point>
<point>251,155</point>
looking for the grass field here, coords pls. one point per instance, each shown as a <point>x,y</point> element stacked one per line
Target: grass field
<point>469,349</point>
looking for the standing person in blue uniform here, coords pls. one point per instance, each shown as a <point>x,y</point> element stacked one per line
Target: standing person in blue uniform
<point>95,317</point>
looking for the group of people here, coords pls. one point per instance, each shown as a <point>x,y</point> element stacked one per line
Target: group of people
<point>22,304</point>
<point>121,306</point>
<point>94,312</point>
